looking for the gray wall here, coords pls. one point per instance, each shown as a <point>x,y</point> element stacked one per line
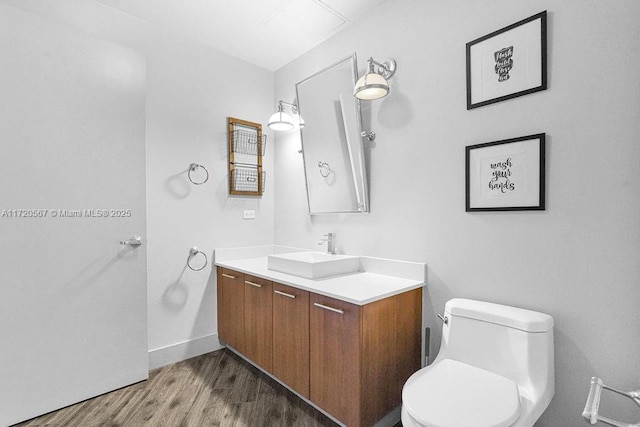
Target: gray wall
<point>578,259</point>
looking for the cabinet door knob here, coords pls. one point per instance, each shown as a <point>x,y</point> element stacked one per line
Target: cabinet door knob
<point>257,285</point>
<point>325,307</point>
<point>284,294</point>
<point>228,276</point>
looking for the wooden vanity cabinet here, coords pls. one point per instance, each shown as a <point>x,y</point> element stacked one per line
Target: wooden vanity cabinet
<point>349,360</point>
<point>291,337</point>
<point>231,308</point>
<point>258,298</point>
<point>361,356</point>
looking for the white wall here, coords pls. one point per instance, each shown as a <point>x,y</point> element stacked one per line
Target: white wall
<point>191,90</point>
<point>578,259</point>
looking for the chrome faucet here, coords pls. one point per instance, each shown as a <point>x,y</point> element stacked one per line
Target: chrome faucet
<point>330,238</point>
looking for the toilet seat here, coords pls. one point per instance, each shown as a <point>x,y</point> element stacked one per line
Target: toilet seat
<point>453,394</point>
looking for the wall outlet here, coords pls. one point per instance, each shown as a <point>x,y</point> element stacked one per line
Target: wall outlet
<point>248,214</point>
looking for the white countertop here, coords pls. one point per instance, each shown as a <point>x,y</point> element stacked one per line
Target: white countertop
<point>358,288</point>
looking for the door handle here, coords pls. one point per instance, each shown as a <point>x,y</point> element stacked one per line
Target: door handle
<point>134,241</point>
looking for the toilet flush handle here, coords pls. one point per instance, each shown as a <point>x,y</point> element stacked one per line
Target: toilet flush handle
<point>445,319</point>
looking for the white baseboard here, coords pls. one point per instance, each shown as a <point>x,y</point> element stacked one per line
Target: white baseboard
<point>183,350</point>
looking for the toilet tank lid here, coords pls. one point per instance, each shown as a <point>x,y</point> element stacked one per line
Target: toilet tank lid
<point>513,317</point>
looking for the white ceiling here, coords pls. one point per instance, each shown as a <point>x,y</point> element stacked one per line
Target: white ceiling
<point>268,33</point>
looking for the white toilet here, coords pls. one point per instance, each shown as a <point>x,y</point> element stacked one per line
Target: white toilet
<point>495,368</point>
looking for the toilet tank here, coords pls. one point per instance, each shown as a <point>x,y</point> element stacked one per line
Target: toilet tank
<point>509,341</point>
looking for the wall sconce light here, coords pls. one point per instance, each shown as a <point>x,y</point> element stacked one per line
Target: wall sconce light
<point>281,121</point>
<point>373,85</point>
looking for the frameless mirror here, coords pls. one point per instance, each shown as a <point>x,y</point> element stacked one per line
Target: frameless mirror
<point>332,147</point>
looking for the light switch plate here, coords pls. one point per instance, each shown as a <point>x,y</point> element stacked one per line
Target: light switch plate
<point>248,214</point>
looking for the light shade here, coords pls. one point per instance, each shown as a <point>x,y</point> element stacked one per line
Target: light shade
<point>371,86</point>
<point>280,121</point>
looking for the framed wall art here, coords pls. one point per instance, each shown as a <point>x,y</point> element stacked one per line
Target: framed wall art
<point>508,63</point>
<point>506,175</point>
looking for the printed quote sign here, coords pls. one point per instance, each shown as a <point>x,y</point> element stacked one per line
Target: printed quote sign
<point>504,63</point>
<point>508,63</point>
<point>503,175</point>
<point>506,175</point>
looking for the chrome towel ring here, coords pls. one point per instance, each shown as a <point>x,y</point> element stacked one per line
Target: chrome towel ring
<point>325,169</point>
<point>193,167</point>
<point>194,252</point>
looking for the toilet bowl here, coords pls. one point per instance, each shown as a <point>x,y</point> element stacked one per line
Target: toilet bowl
<point>494,369</point>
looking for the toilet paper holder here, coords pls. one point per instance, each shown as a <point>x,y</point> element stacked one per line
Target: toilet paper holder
<point>590,413</point>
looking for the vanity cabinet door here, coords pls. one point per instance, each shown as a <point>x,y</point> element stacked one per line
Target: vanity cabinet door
<point>334,336</point>
<point>291,337</point>
<point>231,308</point>
<point>258,321</point>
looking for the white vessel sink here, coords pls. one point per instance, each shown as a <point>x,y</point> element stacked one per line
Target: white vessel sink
<point>313,265</point>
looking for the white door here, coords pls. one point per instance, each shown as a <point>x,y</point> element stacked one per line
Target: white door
<point>73,309</point>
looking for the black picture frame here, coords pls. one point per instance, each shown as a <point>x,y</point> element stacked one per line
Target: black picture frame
<point>501,52</point>
<point>506,175</point>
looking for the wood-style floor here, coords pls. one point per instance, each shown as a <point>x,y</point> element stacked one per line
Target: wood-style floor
<point>216,389</point>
